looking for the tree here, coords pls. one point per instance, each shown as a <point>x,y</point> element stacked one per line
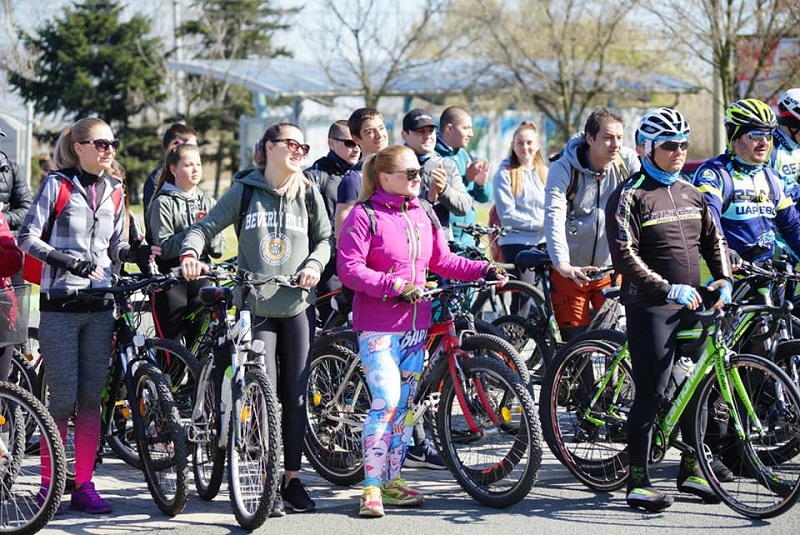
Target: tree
<point>225,30</point>
<point>90,62</point>
<point>561,56</point>
<point>737,39</point>
<point>374,43</point>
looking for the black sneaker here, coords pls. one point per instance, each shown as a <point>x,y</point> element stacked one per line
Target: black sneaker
<point>277,510</point>
<point>691,480</point>
<point>648,498</point>
<point>424,456</point>
<point>295,497</point>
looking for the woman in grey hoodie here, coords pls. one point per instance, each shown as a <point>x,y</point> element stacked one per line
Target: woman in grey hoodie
<point>177,204</point>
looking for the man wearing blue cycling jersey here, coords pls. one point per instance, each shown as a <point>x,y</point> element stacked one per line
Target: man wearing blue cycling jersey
<point>743,192</point>
<point>785,157</point>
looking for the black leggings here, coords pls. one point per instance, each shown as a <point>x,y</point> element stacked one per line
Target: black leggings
<point>652,340</point>
<point>171,306</point>
<point>288,349</point>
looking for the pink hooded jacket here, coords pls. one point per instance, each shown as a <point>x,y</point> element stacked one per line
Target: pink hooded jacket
<point>377,266</point>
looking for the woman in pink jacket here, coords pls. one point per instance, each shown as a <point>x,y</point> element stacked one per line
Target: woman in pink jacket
<point>384,259</point>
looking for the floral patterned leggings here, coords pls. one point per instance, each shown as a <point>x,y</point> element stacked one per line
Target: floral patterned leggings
<point>392,364</point>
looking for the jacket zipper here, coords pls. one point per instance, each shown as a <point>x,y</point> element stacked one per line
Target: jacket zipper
<point>683,235</point>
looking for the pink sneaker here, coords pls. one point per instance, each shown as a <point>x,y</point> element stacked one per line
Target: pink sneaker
<point>85,498</point>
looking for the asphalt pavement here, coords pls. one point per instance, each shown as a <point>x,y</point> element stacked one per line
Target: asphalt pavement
<point>557,505</point>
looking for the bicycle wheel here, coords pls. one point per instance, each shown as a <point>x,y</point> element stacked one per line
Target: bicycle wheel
<point>766,478</point>
<point>181,368</point>
<point>120,434</point>
<point>787,356</point>
<point>486,345</point>
<point>589,439</point>
<point>254,443</point>
<point>533,344</point>
<point>25,505</point>
<point>496,461</point>
<point>496,301</point>
<point>208,458</point>
<point>161,440</point>
<point>69,443</point>
<point>338,402</point>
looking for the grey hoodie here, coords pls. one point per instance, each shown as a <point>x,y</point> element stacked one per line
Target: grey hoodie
<point>169,217</point>
<point>575,231</point>
<point>273,239</point>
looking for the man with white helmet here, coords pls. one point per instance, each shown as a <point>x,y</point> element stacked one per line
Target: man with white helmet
<point>785,157</point>
<point>744,193</point>
<point>658,227</point>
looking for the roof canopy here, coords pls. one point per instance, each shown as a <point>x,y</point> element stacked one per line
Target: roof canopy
<point>289,78</point>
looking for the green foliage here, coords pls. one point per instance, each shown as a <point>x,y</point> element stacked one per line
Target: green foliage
<point>139,154</point>
<point>90,63</point>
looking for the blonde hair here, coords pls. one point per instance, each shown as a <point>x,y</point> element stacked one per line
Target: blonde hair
<point>383,162</point>
<point>64,155</point>
<point>516,171</point>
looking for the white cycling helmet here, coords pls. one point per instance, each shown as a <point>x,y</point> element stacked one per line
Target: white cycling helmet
<point>661,124</point>
<point>789,108</point>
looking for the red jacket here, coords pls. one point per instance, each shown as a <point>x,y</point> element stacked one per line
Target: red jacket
<point>10,255</point>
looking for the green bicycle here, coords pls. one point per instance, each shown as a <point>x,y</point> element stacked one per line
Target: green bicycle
<point>588,393</point>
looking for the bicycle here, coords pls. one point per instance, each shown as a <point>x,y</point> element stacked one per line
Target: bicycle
<point>586,414</point>
<point>475,403</point>
<point>138,400</point>
<point>236,409</point>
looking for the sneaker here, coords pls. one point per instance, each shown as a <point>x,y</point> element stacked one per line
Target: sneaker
<point>397,492</point>
<point>424,456</point>
<point>722,472</point>
<point>371,503</point>
<point>295,497</point>
<point>648,498</point>
<point>85,498</point>
<point>691,480</point>
<point>40,497</point>
<point>277,510</point>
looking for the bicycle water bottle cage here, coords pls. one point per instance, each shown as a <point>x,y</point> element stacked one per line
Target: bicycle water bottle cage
<point>211,295</point>
<point>533,259</point>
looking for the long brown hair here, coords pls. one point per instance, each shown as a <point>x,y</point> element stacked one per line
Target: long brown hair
<point>516,171</point>
<point>174,156</point>
<point>383,162</point>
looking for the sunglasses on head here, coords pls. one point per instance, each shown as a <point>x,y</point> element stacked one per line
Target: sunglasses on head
<point>294,145</point>
<point>349,143</point>
<point>672,146</point>
<point>411,173</point>
<point>758,135</point>
<point>102,145</point>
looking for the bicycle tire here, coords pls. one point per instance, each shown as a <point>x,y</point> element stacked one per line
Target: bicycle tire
<point>533,346</point>
<point>763,485</point>
<point>334,426</point>
<point>502,302</point>
<point>161,440</point>
<point>181,368</point>
<point>208,458</point>
<point>253,446</point>
<point>495,347</point>
<point>69,442</point>
<point>22,472</point>
<point>346,337</point>
<point>595,454</point>
<point>495,474</point>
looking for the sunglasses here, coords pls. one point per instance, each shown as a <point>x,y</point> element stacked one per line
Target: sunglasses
<point>758,135</point>
<point>349,143</point>
<point>411,173</point>
<point>672,146</point>
<point>102,145</point>
<point>294,145</point>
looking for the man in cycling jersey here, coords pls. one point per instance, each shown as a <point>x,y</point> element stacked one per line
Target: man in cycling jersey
<point>785,157</point>
<point>658,227</point>
<point>745,194</point>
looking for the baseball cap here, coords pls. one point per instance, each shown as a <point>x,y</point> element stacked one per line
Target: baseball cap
<point>417,119</point>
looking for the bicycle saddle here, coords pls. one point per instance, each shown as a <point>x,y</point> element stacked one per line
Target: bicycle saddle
<point>533,259</point>
<point>211,295</point>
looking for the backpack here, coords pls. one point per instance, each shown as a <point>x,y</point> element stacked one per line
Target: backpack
<point>32,266</point>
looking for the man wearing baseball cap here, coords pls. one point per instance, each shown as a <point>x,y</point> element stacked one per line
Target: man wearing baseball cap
<point>442,185</point>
